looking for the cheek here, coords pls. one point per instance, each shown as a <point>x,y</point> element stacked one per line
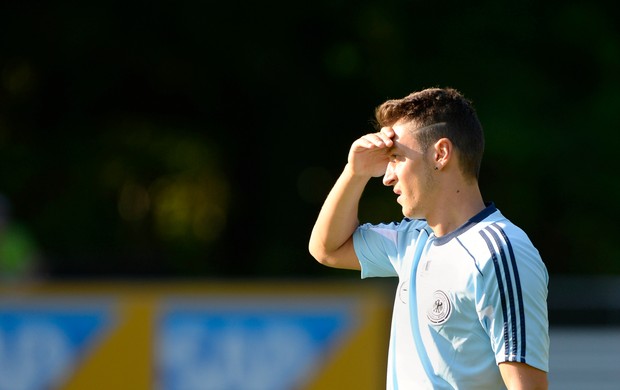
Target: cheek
<point>416,179</point>
<point>406,172</point>
<point>410,175</point>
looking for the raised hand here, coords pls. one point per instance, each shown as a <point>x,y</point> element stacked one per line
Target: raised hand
<point>369,155</point>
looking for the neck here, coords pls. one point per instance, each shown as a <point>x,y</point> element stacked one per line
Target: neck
<point>454,206</point>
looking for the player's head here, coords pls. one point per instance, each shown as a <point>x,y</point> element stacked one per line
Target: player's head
<point>434,106</point>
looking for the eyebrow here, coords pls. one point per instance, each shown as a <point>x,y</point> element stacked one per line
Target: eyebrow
<point>396,146</point>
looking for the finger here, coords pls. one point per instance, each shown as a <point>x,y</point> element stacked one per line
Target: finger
<point>363,144</point>
<point>388,131</point>
<point>379,140</point>
<point>387,135</point>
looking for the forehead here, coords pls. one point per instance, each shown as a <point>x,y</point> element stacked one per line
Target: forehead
<point>404,137</point>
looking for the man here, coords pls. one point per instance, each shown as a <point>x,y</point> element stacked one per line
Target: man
<point>470,310</point>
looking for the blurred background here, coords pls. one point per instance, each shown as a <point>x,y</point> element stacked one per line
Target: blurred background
<point>188,141</point>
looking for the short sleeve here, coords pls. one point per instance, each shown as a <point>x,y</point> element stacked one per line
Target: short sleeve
<point>375,245</point>
<point>511,299</point>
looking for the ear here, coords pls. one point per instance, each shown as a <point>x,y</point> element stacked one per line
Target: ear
<point>443,151</point>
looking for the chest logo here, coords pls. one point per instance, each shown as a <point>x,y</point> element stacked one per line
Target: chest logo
<point>439,309</point>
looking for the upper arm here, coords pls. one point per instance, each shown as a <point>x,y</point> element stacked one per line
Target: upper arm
<point>370,248</point>
<point>343,257</point>
<point>511,299</point>
<point>520,376</point>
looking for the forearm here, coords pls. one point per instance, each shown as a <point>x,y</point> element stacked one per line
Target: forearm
<point>331,241</point>
<point>338,217</point>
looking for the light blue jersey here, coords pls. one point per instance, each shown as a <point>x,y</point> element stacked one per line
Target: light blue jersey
<point>465,301</point>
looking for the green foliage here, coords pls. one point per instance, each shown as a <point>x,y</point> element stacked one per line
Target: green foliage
<point>199,139</point>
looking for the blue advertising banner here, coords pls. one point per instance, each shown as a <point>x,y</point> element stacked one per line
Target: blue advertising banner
<point>227,344</point>
<point>192,336</point>
<point>40,345</point>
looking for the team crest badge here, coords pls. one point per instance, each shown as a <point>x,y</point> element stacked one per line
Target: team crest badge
<point>439,309</point>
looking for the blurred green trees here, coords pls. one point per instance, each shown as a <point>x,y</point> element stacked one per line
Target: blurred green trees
<point>197,139</point>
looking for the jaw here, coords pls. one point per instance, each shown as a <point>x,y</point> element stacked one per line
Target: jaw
<point>410,211</point>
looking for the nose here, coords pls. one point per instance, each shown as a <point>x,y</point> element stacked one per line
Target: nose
<point>389,178</point>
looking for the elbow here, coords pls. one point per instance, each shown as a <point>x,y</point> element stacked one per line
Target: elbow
<point>321,254</point>
<point>318,252</point>
<point>327,258</point>
<point>335,256</point>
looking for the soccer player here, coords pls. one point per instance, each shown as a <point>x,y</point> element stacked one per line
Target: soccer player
<point>470,310</point>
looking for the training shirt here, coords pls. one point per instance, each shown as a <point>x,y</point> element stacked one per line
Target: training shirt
<point>465,301</point>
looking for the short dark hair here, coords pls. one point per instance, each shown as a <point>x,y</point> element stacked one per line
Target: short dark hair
<point>433,106</point>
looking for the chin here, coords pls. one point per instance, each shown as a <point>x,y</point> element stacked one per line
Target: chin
<point>411,213</point>
<point>408,213</point>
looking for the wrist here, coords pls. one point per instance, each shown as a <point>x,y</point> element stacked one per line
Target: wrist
<point>350,172</point>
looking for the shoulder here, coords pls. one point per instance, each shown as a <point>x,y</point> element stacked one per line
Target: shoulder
<point>404,225</point>
<point>397,234</point>
<point>502,234</point>
<point>496,239</point>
